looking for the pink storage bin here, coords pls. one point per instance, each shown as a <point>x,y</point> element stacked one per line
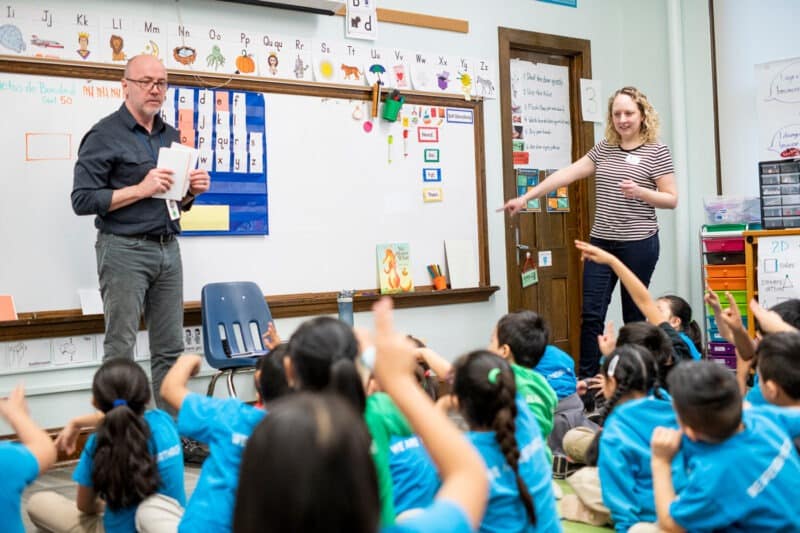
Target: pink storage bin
<point>734,244</point>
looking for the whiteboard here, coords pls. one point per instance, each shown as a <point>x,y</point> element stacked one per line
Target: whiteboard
<point>778,269</point>
<point>333,196</point>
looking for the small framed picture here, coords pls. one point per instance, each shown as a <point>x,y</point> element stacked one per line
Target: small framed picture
<point>431,155</point>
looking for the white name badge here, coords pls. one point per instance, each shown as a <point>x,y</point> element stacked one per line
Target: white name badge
<point>632,159</point>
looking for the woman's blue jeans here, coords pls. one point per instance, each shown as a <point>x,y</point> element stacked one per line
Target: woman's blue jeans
<point>598,286</point>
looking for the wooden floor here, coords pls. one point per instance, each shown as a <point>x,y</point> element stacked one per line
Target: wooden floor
<point>60,480</point>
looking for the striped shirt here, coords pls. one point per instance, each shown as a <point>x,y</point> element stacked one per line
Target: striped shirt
<point>626,219</point>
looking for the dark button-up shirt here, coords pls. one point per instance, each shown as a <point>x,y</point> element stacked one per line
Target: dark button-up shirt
<point>118,152</point>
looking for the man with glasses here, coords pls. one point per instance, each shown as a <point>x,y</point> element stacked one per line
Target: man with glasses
<point>138,257</point>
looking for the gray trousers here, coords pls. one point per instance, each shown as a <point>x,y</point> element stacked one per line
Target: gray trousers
<point>139,276</point>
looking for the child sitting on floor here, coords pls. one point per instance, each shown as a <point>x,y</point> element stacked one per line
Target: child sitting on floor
<point>621,486</point>
<point>743,471</point>
<point>20,462</point>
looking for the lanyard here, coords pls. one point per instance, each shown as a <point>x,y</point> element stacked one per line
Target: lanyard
<point>146,141</point>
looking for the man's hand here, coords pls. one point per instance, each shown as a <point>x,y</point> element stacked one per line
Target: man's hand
<point>14,404</point>
<point>199,181</point>
<point>157,181</point>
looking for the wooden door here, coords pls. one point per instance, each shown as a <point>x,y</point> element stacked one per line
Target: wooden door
<point>557,295</point>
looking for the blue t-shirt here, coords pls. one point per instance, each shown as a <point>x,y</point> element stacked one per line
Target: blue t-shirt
<point>692,348</point>
<point>415,480</point>
<point>19,468</point>
<point>749,482</point>
<point>165,445</point>
<point>624,463</point>
<point>225,425</point>
<point>754,396</point>
<point>505,512</point>
<point>558,368</point>
<point>443,515</point>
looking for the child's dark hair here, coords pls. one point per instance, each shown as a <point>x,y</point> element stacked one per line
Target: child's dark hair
<point>323,353</point>
<point>307,467</point>
<point>706,398</point>
<point>654,339</point>
<point>124,471</point>
<point>486,391</point>
<point>789,311</point>
<point>526,334</point>
<point>272,383</point>
<point>680,308</point>
<point>779,361</point>
<point>635,370</point>
<point>425,376</point>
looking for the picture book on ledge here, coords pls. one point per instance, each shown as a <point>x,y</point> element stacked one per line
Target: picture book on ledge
<point>394,268</point>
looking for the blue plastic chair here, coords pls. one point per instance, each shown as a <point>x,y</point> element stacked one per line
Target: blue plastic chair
<point>235,315</point>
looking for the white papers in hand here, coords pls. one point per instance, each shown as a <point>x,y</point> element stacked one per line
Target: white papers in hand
<point>192,162</point>
<point>178,162</point>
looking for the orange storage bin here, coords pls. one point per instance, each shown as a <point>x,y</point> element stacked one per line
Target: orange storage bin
<point>727,284</point>
<point>726,271</point>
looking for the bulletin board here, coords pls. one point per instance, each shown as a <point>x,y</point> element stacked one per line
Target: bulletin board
<point>336,191</point>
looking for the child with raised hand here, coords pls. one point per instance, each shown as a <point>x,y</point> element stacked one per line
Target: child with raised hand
<point>743,473</point>
<point>640,295</point>
<point>635,406</point>
<point>20,462</point>
<point>678,313</point>
<point>506,434</point>
<point>307,467</point>
<point>132,455</point>
<point>413,476</point>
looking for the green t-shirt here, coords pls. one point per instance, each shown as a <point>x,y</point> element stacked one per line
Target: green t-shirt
<point>384,420</point>
<point>539,395</point>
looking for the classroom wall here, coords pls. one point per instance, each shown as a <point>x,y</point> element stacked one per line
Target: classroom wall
<point>748,32</point>
<point>616,30</point>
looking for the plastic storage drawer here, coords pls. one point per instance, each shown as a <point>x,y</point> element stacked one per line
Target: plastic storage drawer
<point>725,258</point>
<point>727,284</point>
<point>721,348</point>
<point>726,271</point>
<point>727,360</point>
<point>724,245</point>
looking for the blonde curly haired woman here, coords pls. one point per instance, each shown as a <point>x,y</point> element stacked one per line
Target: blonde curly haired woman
<point>633,176</point>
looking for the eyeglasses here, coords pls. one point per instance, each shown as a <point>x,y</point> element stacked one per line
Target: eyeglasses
<point>147,85</point>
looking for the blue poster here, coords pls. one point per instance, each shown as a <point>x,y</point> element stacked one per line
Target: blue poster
<point>228,129</point>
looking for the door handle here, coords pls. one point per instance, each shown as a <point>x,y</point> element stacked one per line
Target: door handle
<point>520,247</point>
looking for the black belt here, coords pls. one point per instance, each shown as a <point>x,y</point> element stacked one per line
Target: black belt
<point>161,239</point>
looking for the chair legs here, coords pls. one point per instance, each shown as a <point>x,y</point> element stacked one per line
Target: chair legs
<point>229,374</point>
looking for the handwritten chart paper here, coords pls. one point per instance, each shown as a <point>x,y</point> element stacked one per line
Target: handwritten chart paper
<point>778,109</point>
<point>778,269</point>
<point>540,115</point>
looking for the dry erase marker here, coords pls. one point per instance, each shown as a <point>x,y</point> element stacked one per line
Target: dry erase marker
<point>405,143</point>
<point>391,140</point>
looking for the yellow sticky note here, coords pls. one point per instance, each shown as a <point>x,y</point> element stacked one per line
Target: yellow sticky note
<point>206,218</point>
<point>432,194</point>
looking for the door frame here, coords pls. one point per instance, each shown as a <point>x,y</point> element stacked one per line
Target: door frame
<point>578,51</point>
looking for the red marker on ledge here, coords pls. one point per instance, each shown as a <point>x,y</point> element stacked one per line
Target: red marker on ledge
<point>405,143</point>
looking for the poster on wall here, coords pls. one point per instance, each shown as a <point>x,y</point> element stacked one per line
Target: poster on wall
<point>540,115</point>
<point>778,109</point>
<point>228,130</point>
